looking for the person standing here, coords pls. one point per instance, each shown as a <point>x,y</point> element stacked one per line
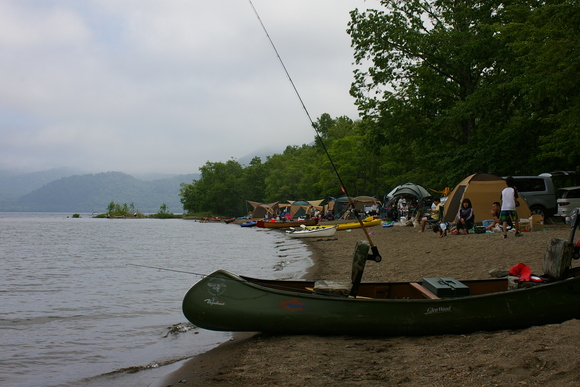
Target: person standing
<point>509,199</point>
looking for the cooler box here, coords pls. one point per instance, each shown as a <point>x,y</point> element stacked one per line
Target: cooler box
<point>537,222</point>
<point>486,223</point>
<point>445,287</point>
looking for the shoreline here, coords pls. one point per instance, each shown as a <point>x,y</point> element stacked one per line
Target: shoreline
<point>199,369</point>
<point>263,360</point>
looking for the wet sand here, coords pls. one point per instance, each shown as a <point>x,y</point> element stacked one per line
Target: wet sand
<point>538,356</point>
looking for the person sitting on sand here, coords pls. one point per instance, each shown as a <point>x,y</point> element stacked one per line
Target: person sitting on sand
<point>495,209</point>
<point>495,214</point>
<point>465,217</point>
<point>403,208</point>
<point>441,228</point>
<point>434,214</point>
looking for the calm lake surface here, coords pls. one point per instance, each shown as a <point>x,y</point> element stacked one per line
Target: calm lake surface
<point>74,308</point>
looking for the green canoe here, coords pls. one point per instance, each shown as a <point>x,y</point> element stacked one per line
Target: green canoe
<point>224,301</point>
<point>227,302</point>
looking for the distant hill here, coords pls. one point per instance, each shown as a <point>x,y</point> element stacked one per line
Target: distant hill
<point>262,153</point>
<point>14,185</point>
<point>93,193</point>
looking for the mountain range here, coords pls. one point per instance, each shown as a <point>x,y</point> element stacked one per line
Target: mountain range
<point>71,190</point>
<point>60,190</point>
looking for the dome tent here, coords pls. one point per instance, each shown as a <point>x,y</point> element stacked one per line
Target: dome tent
<point>482,189</point>
<point>408,189</point>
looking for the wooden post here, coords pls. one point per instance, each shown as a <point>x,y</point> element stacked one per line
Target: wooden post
<point>361,253</point>
<point>558,258</point>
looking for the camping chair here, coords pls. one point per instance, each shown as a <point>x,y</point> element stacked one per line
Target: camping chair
<point>432,222</point>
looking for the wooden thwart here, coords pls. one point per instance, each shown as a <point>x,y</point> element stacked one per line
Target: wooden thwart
<point>424,291</point>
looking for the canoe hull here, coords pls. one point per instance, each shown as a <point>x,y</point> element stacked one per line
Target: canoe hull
<point>312,232</point>
<point>224,301</point>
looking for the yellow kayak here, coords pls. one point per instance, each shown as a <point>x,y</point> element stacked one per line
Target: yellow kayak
<point>319,226</point>
<point>368,222</point>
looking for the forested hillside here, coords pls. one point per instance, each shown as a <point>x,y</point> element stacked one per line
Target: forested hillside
<point>14,185</point>
<point>444,89</point>
<point>93,193</point>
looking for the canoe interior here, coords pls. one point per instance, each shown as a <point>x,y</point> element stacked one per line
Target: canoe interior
<point>395,290</point>
<point>385,290</point>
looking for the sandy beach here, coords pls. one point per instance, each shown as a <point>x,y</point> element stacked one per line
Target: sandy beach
<point>538,356</point>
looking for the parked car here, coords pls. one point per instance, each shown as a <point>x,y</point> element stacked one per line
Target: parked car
<point>568,199</point>
<point>562,179</point>
<point>539,193</point>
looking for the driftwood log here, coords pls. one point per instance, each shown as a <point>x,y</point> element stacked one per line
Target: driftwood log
<point>558,258</point>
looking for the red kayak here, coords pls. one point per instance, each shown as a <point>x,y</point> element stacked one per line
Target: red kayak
<point>266,224</point>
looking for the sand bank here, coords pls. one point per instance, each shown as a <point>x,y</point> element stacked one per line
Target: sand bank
<point>547,355</point>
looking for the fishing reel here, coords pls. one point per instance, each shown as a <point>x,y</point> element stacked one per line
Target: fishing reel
<point>574,223</point>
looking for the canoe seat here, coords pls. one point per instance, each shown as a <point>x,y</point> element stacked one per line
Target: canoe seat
<point>334,288</point>
<point>424,291</point>
<point>345,288</point>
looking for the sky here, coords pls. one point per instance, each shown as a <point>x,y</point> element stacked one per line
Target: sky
<point>163,86</point>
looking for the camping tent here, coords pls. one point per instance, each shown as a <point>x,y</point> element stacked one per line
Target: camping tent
<point>299,208</point>
<point>261,209</point>
<point>340,205</point>
<point>408,189</point>
<point>482,189</point>
<point>363,202</point>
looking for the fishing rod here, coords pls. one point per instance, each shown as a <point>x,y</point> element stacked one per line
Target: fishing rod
<point>164,269</point>
<point>279,287</point>
<point>375,251</point>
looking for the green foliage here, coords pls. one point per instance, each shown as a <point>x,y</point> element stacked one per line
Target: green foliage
<point>164,213</point>
<point>445,89</point>
<point>163,209</point>
<point>116,209</point>
<point>221,189</point>
<point>456,87</point>
<point>546,40</point>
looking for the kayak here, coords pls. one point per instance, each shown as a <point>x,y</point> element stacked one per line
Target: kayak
<point>265,224</point>
<point>312,232</point>
<point>368,222</point>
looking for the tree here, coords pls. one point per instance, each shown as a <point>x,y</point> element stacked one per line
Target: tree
<point>433,66</point>
<point>220,189</point>
<point>451,87</point>
<point>163,209</point>
<point>253,179</point>
<point>287,172</point>
<point>545,37</point>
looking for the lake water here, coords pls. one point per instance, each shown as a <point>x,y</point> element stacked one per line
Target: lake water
<point>73,307</point>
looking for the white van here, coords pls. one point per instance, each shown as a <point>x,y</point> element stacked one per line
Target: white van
<point>568,199</point>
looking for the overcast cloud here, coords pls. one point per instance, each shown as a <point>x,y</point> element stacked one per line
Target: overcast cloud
<point>165,85</point>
